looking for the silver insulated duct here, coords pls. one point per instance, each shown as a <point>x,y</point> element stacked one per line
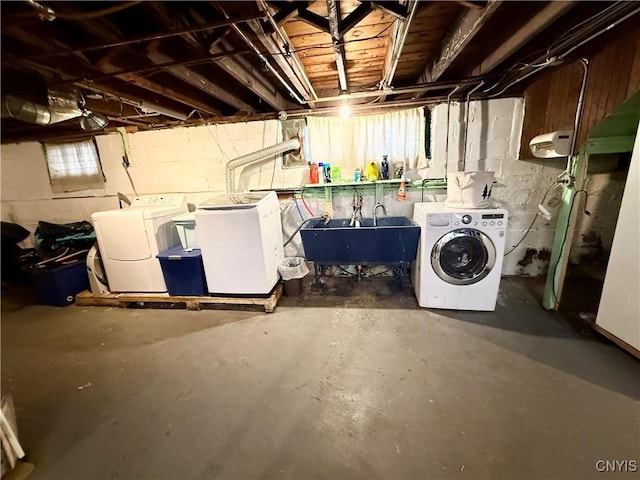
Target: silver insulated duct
<point>59,110</point>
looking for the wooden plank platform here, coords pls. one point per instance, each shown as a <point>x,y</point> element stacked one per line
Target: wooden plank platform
<point>126,300</point>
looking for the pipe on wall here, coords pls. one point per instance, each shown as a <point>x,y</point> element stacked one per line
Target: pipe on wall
<point>292,144</point>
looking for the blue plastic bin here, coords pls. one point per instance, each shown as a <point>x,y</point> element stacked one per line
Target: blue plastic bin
<point>58,286</point>
<point>183,271</point>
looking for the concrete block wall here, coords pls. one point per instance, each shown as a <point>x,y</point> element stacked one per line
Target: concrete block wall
<point>192,161</point>
<point>492,137</point>
<point>182,160</point>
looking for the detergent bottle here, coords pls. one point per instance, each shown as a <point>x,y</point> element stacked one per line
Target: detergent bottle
<point>373,172</point>
<point>402,191</point>
<point>384,168</point>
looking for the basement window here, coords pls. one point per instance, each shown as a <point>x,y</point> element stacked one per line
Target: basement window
<point>74,166</point>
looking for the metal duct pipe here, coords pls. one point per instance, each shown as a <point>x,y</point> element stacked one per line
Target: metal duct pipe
<point>292,144</point>
<point>21,109</point>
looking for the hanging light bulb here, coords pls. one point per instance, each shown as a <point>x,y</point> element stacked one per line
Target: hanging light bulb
<point>92,122</point>
<point>89,121</point>
<point>345,109</point>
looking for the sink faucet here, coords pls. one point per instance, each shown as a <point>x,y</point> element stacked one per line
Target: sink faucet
<point>375,209</point>
<point>356,216</point>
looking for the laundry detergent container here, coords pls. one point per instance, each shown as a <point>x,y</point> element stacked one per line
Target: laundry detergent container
<point>186,226</point>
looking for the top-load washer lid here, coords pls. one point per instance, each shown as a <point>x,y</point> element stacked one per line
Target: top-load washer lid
<point>234,201</point>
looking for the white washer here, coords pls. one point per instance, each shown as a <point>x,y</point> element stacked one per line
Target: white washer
<point>130,238</point>
<point>240,236</point>
<point>460,254</point>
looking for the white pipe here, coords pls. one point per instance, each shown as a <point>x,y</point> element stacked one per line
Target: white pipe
<point>292,144</point>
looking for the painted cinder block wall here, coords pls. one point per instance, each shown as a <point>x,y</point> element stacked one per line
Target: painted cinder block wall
<point>192,161</point>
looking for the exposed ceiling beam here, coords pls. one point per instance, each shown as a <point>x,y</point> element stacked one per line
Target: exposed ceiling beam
<point>314,20</point>
<point>456,39</point>
<point>550,13</point>
<point>279,56</point>
<point>117,95</point>
<point>289,11</point>
<point>133,100</point>
<point>395,47</point>
<point>292,56</point>
<point>240,69</point>
<point>392,8</point>
<point>139,39</point>
<point>200,82</point>
<point>169,92</point>
<point>355,17</point>
<point>106,31</point>
<point>333,6</point>
<point>152,68</point>
<point>472,4</point>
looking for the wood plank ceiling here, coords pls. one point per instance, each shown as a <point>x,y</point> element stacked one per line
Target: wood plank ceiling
<point>148,65</point>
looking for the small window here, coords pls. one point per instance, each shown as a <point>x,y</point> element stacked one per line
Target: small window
<point>74,166</point>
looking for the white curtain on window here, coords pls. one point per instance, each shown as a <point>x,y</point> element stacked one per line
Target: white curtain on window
<point>74,166</point>
<point>353,142</point>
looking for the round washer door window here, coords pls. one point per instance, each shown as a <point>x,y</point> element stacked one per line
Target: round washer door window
<point>463,257</point>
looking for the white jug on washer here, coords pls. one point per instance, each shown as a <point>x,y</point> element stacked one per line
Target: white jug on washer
<point>469,189</point>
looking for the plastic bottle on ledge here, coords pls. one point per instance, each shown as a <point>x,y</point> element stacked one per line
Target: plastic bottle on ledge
<point>327,172</point>
<point>373,172</point>
<point>384,168</point>
<point>320,172</point>
<point>313,173</point>
<point>402,191</point>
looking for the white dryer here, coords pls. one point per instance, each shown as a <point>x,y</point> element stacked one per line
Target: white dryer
<point>130,238</point>
<point>240,236</point>
<point>460,254</point>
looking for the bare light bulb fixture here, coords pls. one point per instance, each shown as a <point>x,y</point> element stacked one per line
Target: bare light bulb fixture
<point>345,109</point>
<point>90,121</point>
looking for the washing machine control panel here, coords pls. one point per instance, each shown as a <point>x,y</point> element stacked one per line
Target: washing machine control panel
<point>466,219</point>
<point>160,199</point>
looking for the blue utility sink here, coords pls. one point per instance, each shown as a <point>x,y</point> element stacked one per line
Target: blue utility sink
<point>393,240</point>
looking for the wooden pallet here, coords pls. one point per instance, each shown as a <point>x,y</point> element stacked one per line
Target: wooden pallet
<point>126,300</point>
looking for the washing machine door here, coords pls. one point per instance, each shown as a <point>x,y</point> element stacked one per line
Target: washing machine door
<point>463,256</point>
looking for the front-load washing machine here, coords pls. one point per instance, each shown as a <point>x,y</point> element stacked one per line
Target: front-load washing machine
<point>460,254</point>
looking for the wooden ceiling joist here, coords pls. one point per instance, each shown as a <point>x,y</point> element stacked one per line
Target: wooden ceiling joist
<point>355,17</point>
<point>314,20</point>
<point>240,69</point>
<point>280,58</point>
<point>333,6</point>
<point>200,82</point>
<point>392,8</point>
<point>457,38</point>
<point>396,47</point>
<point>551,12</point>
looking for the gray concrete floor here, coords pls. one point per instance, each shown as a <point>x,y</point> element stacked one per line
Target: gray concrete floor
<point>353,381</point>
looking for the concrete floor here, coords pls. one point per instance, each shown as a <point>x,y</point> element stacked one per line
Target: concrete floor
<point>354,381</point>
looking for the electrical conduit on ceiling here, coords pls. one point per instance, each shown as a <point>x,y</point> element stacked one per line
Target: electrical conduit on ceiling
<point>292,144</point>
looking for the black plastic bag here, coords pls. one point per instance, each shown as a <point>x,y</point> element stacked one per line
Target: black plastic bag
<point>50,237</point>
